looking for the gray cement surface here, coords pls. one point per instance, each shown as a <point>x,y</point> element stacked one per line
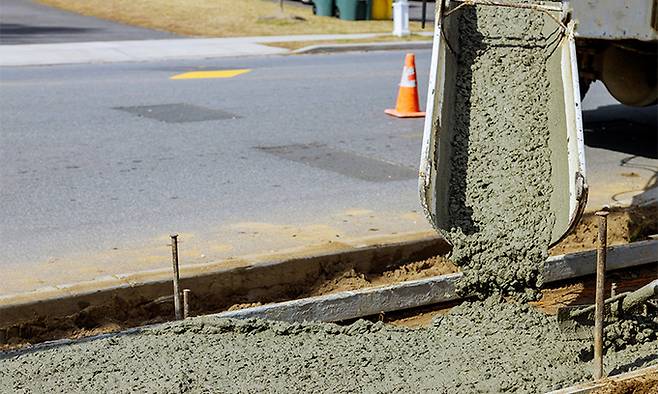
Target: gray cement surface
<point>89,190</point>
<point>477,347</point>
<point>28,22</point>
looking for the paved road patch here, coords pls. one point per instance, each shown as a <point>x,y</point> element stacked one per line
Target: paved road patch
<point>211,74</point>
<point>343,162</point>
<point>178,113</point>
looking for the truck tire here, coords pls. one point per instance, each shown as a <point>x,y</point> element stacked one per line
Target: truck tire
<point>629,74</point>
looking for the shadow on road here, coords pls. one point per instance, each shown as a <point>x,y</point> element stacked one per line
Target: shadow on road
<point>623,129</point>
<point>9,30</point>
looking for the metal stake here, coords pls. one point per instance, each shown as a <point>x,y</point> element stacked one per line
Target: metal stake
<point>600,284</point>
<point>176,278</point>
<point>186,303</point>
<point>423,14</point>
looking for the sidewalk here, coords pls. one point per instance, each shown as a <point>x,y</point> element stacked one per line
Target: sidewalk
<point>161,49</point>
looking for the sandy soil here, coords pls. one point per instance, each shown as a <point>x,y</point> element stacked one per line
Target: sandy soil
<point>641,385</point>
<point>559,295</point>
<point>624,225</point>
<point>352,280</point>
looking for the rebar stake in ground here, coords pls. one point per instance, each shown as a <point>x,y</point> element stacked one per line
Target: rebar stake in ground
<point>186,303</point>
<point>600,298</point>
<point>176,278</point>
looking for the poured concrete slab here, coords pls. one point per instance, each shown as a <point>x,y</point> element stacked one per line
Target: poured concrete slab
<point>178,113</point>
<point>342,161</point>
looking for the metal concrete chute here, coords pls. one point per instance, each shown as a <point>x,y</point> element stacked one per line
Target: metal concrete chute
<point>569,194</point>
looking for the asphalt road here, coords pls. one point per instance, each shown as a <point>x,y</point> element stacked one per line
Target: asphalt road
<point>100,163</point>
<point>27,22</point>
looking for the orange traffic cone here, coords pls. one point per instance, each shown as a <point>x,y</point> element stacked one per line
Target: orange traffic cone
<point>407,105</point>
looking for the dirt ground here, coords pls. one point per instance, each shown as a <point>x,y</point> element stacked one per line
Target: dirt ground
<point>353,280</point>
<point>624,225</point>
<point>554,297</point>
<point>647,384</point>
<point>583,292</point>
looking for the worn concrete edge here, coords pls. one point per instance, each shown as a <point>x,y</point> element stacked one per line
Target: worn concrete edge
<point>433,290</point>
<point>192,271</point>
<point>363,302</point>
<point>557,268</point>
<point>357,303</point>
<point>590,387</point>
<point>373,46</point>
<point>246,273</point>
<point>583,263</point>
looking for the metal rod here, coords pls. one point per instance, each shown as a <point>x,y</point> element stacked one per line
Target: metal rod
<point>590,308</point>
<point>600,284</point>
<point>640,296</point>
<point>176,278</point>
<point>186,303</point>
<point>424,14</point>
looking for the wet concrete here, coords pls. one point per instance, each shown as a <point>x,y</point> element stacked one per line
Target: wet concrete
<point>500,184</point>
<point>479,347</point>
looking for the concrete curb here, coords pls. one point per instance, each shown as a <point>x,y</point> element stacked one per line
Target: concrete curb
<point>269,281</point>
<point>373,46</point>
<point>574,265</point>
<point>358,303</point>
<point>220,285</point>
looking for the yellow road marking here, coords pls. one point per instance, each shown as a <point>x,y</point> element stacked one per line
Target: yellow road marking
<point>211,74</point>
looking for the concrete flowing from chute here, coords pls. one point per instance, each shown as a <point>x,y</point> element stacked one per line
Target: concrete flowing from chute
<point>501,178</point>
